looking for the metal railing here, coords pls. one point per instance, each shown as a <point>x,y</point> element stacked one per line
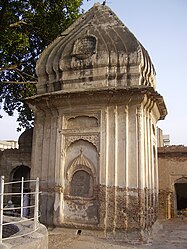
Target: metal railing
<point>27,208</point>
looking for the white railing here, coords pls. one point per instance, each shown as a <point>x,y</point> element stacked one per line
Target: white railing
<point>19,211</point>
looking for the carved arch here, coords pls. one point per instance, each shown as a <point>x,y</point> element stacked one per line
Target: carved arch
<point>80,163</point>
<point>92,138</point>
<point>81,177</point>
<point>182,179</point>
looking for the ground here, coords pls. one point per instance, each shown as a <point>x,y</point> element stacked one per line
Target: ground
<point>172,234</point>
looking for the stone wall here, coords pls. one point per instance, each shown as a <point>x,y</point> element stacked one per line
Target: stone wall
<point>172,161</point>
<point>16,163</point>
<point>10,159</point>
<point>122,213</point>
<point>108,151</point>
<point>126,209</point>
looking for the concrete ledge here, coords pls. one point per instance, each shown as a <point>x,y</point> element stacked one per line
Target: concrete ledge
<point>28,239</point>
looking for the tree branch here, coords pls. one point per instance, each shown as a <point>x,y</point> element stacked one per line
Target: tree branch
<point>13,67</point>
<point>17,82</point>
<point>17,24</point>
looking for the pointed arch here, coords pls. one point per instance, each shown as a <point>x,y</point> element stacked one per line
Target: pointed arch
<point>81,177</point>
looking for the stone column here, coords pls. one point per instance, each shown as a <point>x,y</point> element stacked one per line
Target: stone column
<point>141,165</point>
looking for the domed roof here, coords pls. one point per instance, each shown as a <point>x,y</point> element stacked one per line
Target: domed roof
<point>25,140</point>
<point>96,51</point>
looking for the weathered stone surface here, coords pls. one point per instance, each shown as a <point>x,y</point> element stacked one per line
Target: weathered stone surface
<point>80,184</point>
<point>170,234</point>
<point>172,170</point>
<point>15,163</point>
<point>96,51</point>
<point>94,141</point>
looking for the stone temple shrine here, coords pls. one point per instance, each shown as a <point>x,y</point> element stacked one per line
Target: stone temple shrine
<point>94,141</point>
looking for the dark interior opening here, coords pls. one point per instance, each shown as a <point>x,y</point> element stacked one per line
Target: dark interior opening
<point>80,184</point>
<point>181,194</point>
<point>20,171</point>
<point>79,232</point>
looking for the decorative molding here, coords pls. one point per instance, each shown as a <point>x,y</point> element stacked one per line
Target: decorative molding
<point>92,138</point>
<point>177,178</point>
<point>182,179</point>
<point>76,115</point>
<point>81,172</point>
<point>84,47</point>
<point>81,163</point>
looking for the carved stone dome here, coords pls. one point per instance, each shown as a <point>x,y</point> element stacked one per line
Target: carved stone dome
<point>97,51</point>
<point>25,140</point>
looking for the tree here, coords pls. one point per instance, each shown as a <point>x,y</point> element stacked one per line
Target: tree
<point>26,28</point>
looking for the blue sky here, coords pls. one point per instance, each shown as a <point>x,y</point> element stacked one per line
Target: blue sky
<point>161,27</point>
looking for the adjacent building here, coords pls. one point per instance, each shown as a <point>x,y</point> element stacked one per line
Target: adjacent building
<point>8,144</point>
<point>172,181</point>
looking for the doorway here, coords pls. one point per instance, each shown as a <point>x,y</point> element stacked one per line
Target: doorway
<point>17,174</point>
<point>181,196</point>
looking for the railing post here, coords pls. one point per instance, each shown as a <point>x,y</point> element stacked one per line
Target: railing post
<point>1,207</point>
<point>36,208</point>
<point>22,187</point>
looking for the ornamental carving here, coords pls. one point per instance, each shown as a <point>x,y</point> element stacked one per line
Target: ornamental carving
<point>84,47</point>
<point>82,122</point>
<point>94,139</point>
<point>87,120</point>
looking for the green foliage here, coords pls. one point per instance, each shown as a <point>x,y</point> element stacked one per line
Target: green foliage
<point>26,28</point>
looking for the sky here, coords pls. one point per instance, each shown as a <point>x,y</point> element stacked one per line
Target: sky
<point>161,27</point>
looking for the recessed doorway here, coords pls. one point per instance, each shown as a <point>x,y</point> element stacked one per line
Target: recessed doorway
<point>17,174</point>
<point>181,196</point>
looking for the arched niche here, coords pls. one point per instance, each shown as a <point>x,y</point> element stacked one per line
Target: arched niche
<point>88,149</point>
<point>16,175</point>
<point>81,170</point>
<point>90,138</point>
<point>81,184</point>
<point>81,177</point>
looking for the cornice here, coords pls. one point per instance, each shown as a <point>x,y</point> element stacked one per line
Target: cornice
<point>98,97</point>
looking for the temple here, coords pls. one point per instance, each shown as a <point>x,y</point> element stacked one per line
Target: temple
<point>94,141</point>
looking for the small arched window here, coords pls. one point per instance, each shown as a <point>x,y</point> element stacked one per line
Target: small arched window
<point>81,184</point>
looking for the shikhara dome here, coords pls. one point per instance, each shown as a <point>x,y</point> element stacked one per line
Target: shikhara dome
<point>95,141</point>
<point>97,51</point>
